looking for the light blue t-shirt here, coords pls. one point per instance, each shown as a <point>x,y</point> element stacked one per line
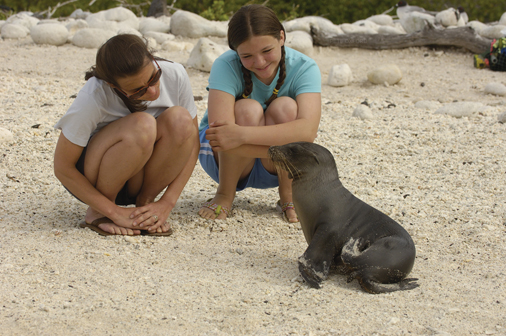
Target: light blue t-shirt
<point>302,76</point>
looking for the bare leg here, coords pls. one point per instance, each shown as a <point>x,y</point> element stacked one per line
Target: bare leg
<point>128,143</point>
<point>176,139</point>
<point>232,167</point>
<point>280,111</point>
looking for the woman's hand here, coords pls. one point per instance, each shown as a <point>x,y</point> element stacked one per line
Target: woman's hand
<point>223,136</point>
<point>152,216</point>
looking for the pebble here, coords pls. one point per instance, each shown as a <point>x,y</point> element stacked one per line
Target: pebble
<point>363,112</point>
<point>390,74</point>
<point>461,109</point>
<point>6,136</point>
<point>427,105</point>
<point>132,240</point>
<point>502,117</point>
<point>497,89</point>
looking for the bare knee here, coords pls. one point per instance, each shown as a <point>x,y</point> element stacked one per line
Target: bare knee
<point>281,110</point>
<point>141,130</point>
<point>249,112</point>
<point>176,123</point>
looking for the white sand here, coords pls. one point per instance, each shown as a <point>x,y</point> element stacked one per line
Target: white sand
<point>442,178</point>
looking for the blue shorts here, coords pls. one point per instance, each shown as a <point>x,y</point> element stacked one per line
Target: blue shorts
<point>258,178</point>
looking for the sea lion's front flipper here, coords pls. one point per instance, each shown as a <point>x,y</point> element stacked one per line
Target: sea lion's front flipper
<point>314,264</point>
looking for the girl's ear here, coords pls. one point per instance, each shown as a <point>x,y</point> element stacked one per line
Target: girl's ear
<point>282,37</point>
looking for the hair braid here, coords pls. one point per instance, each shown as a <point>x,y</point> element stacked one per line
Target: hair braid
<point>281,78</point>
<point>248,83</point>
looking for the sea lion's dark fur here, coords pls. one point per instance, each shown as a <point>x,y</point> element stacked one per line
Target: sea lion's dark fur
<point>342,230</point>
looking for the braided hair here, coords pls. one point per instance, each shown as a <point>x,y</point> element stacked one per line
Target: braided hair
<point>256,20</point>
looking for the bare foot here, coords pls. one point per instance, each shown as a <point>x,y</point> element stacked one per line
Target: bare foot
<point>217,208</point>
<point>92,215</point>
<point>291,215</point>
<point>288,211</point>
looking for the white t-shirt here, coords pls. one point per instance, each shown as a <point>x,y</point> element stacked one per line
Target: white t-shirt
<point>97,105</point>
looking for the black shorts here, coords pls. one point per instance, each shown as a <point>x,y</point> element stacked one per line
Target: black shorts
<point>121,199</point>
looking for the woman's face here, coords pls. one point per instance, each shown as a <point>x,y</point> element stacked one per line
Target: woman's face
<point>131,84</point>
<point>261,55</point>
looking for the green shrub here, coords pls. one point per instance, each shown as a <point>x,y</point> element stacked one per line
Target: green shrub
<point>338,11</point>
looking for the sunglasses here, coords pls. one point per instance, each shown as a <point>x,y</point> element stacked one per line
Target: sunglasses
<point>142,91</point>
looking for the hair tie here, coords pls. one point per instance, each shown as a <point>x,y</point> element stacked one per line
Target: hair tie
<point>244,96</point>
<point>275,91</point>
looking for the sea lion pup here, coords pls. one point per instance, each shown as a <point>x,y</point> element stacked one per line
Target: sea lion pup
<point>342,230</point>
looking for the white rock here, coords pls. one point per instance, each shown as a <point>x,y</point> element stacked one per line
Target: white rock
<point>389,30</point>
<point>98,21</point>
<point>191,25</point>
<point>340,75</point>
<point>461,109</point>
<point>477,26</point>
<point>502,20</point>
<point>52,34</point>
<point>74,26</point>
<point>130,31</point>
<point>6,136</point>
<point>23,19</point>
<point>381,19</point>
<point>497,89</point>
<point>14,31</point>
<point>502,117</point>
<point>492,32</point>
<point>390,74</point>
<point>91,37</point>
<point>447,17</point>
<point>119,14</point>
<point>151,43</point>
<point>349,28</point>
<point>79,14</point>
<point>363,112</point>
<point>2,22</point>
<point>160,37</point>
<point>150,24</point>
<point>416,21</point>
<point>305,23</point>
<point>367,24</point>
<point>177,46</point>
<point>204,53</point>
<point>427,105</point>
<point>300,41</point>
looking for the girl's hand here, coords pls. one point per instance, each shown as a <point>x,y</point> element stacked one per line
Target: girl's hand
<point>224,136</point>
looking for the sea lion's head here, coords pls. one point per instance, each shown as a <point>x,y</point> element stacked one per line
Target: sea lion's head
<point>300,159</point>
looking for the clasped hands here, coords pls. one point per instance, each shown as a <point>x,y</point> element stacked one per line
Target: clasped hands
<point>224,135</point>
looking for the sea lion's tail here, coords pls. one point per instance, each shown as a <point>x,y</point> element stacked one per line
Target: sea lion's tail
<point>382,266</point>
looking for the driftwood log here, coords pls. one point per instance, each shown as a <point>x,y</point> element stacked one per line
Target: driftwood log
<point>464,37</point>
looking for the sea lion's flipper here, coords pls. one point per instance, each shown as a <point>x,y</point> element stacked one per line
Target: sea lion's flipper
<point>314,264</point>
<point>382,266</point>
<point>374,287</point>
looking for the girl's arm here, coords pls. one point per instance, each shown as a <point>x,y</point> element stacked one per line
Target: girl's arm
<point>225,135</point>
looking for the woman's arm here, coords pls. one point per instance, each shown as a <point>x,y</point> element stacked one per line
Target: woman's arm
<point>65,158</point>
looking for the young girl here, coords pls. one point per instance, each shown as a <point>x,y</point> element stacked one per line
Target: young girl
<point>261,94</point>
<point>131,132</point>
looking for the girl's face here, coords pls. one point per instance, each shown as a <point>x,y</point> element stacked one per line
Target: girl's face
<point>261,55</point>
<point>145,78</point>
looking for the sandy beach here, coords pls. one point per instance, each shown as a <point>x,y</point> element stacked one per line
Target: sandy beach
<point>442,178</point>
